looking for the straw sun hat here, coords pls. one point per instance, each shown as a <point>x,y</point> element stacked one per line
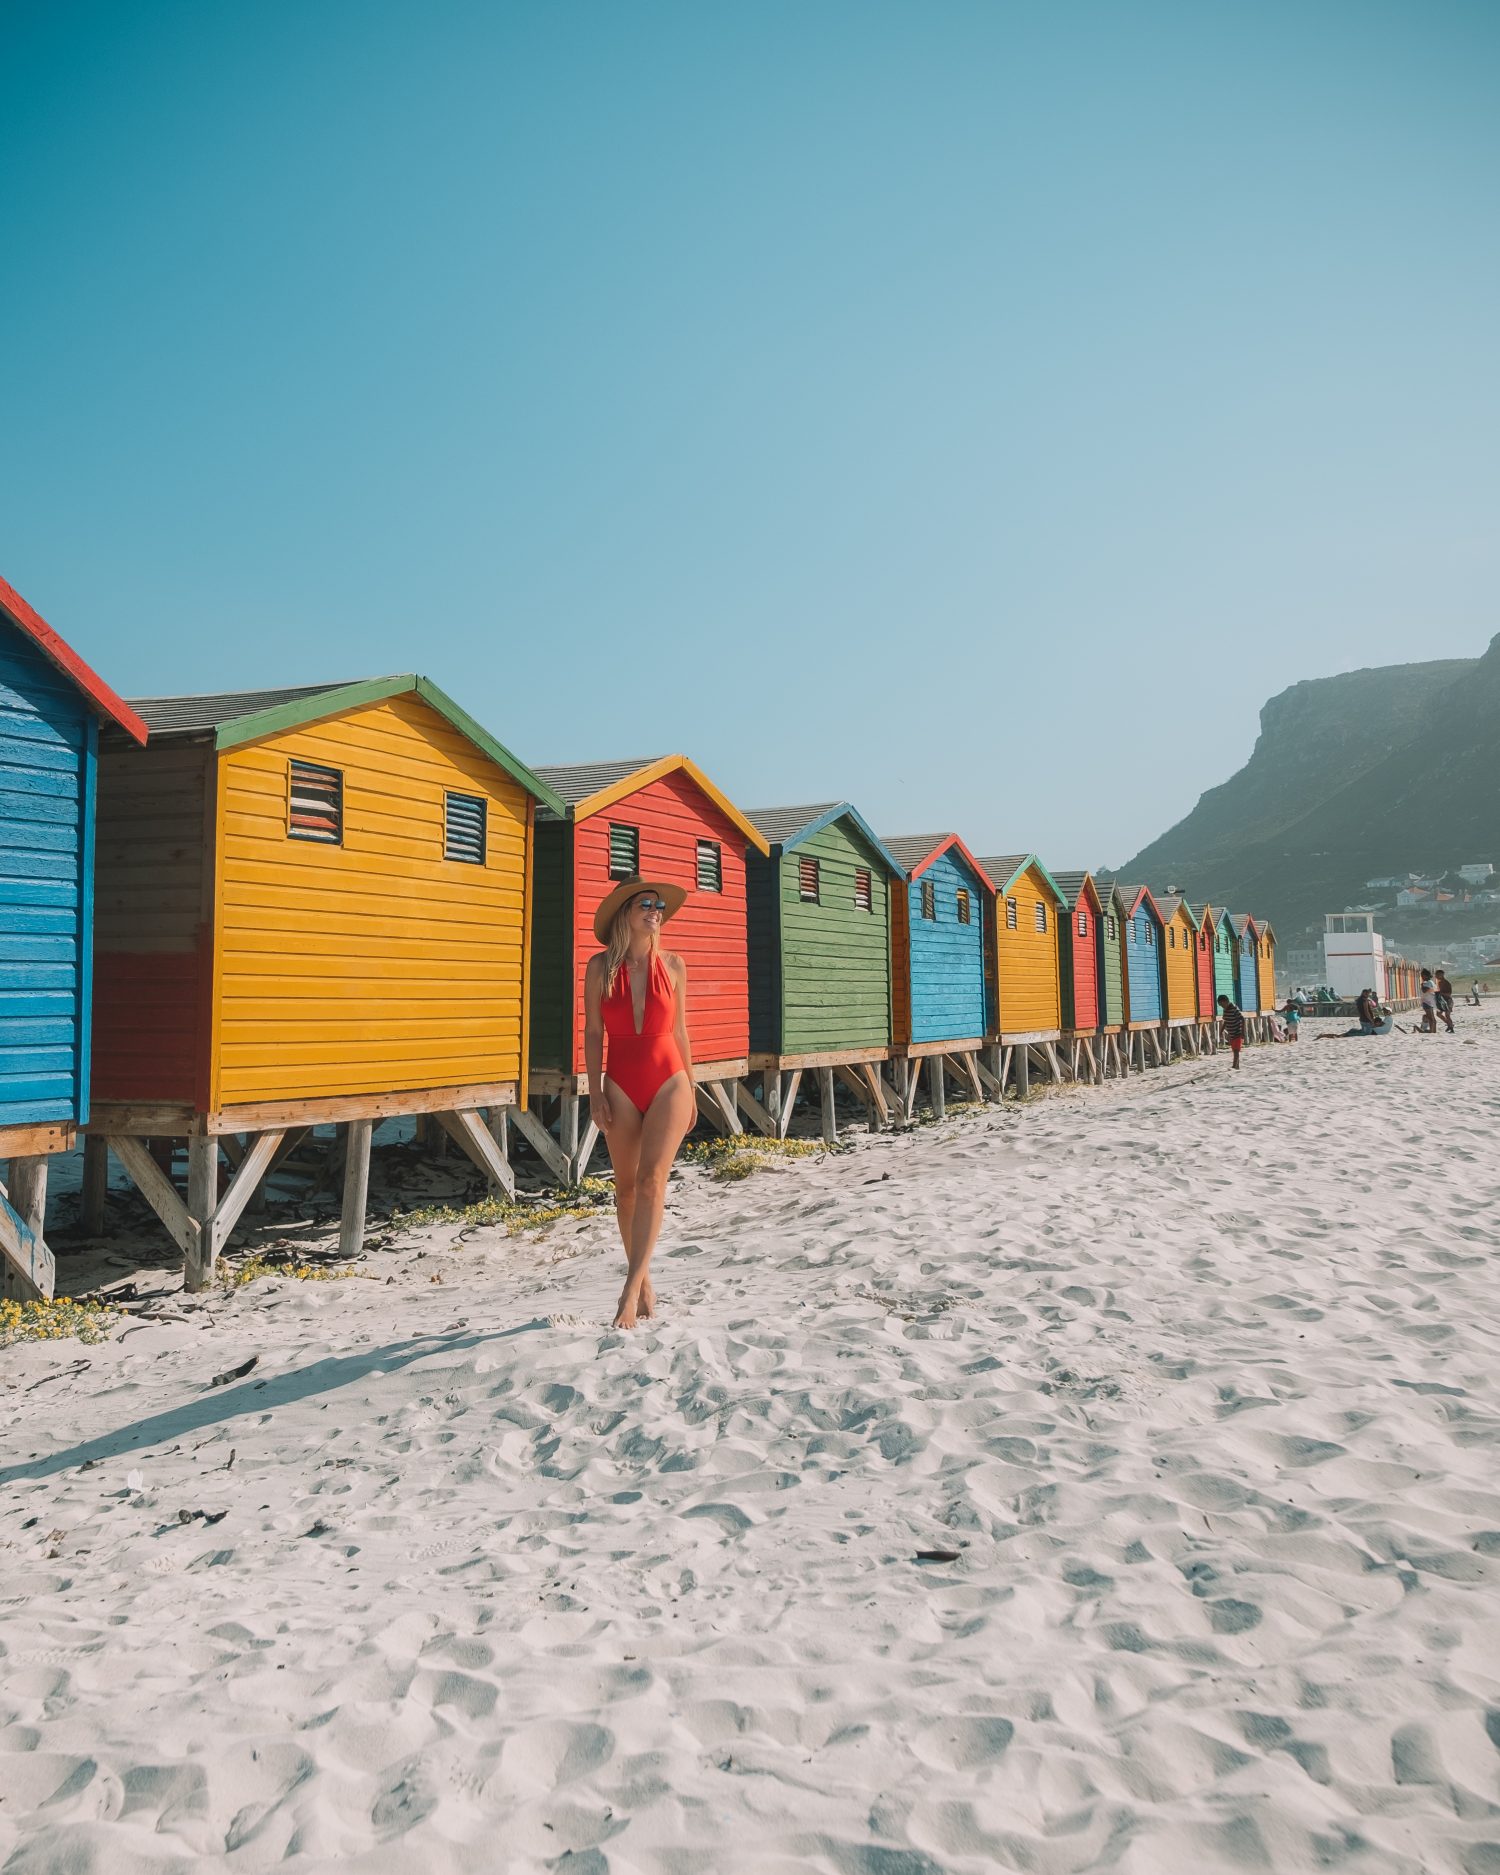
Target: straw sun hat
<point>674,895</point>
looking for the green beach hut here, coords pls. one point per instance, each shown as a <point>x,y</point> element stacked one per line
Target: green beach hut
<point>818,917</point>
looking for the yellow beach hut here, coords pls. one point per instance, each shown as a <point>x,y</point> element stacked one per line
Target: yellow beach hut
<point>1265,964</point>
<point>1028,964</point>
<point>313,909</point>
<point>1179,938</point>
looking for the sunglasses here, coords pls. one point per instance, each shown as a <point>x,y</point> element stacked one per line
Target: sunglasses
<point>647,902</point>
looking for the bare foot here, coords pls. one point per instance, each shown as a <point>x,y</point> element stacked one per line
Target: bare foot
<point>625,1314</point>
<point>648,1301</point>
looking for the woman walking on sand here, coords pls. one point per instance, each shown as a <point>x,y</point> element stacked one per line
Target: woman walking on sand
<point>641,1096</point>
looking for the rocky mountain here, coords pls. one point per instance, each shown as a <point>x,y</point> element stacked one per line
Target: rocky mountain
<point>1377,771</point>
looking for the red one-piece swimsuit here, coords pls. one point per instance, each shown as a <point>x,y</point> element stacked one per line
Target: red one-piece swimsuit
<point>640,1061</point>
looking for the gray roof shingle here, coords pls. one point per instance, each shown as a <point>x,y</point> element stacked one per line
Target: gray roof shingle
<point>1003,867</point>
<point>780,824</point>
<point>200,716</point>
<point>576,781</point>
<point>912,848</point>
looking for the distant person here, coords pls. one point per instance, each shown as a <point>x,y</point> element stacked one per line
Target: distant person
<point>1233,1018</point>
<point>1427,993</point>
<point>1292,1015</point>
<point>1445,999</point>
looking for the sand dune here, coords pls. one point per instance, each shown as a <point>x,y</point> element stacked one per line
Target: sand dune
<point>1197,1376</point>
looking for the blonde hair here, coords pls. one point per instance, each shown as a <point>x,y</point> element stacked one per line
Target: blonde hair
<point>618,947</point>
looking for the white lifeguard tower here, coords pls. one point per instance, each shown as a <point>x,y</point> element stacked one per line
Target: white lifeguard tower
<point>1353,953</point>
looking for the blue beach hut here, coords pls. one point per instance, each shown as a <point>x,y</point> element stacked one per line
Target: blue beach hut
<point>51,706</point>
<point>940,977</point>
<point>1246,958</point>
<point>1145,996</point>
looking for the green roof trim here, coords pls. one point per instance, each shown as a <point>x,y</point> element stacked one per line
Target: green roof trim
<point>344,697</point>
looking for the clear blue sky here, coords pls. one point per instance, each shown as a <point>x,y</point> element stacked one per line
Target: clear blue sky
<point>976,410</point>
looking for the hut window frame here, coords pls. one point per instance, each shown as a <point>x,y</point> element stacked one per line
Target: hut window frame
<point>809,881</point>
<point>316,775</point>
<point>1039,916</point>
<point>1010,914</point>
<point>965,914</point>
<point>1083,922</point>
<point>710,870</point>
<point>929,901</point>
<point>864,889</point>
<point>460,844</point>
<point>624,850</point>
<point>1111,929</point>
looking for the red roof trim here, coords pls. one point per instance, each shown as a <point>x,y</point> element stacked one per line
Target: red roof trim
<point>69,663</point>
<point>945,846</point>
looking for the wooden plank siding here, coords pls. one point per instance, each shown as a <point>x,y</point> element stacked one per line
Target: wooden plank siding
<point>153,949</point>
<point>947,981</point>
<point>672,815</point>
<point>1113,1003</point>
<point>48,743</point>
<point>1265,966</point>
<point>820,971</point>
<point>1143,959</point>
<point>374,964</point>
<point>1027,953</point>
<point>1179,961</point>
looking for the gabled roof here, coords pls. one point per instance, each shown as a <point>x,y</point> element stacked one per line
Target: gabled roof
<point>915,852</point>
<point>583,789</point>
<point>1209,914</point>
<point>1168,906</point>
<point>1073,885</point>
<point>1008,867</point>
<point>1238,920</point>
<point>236,717</point>
<point>788,827</point>
<point>1132,896</point>
<point>61,655</point>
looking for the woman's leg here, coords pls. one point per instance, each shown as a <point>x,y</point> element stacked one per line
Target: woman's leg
<point>667,1123</point>
<point>624,1142</point>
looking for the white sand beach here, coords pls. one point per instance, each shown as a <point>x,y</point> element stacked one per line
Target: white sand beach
<point>1197,1378</point>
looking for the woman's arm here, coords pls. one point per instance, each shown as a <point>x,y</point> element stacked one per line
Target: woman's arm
<point>679,980</point>
<point>593,1043</point>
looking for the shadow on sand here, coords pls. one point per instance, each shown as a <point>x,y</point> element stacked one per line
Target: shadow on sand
<point>215,1406</point>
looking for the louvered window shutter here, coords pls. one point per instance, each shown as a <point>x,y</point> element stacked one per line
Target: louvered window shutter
<point>1083,924</point>
<point>963,906</point>
<point>807,880</point>
<point>316,804</point>
<point>1041,916</point>
<point>929,901</point>
<point>624,852</point>
<point>464,828</point>
<point>864,898</point>
<point>1010,914</point>
<point>710,867</point>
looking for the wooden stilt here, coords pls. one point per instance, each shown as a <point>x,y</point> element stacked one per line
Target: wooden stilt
<point>546,1147</point>
<point>771,1100</point>
<point>472,1137</point>
<point>789,1099</point>
<point>826,1101</point>
<point>498,1121</point>
<point>95,1183</point>
<point>761,1118</point>
<point>357,1185</point>
<point>1021,1064</point>
<point>226,1211</point>
<point>202,1202</point>
<point>937,1093</point>
<point>27,1271</point>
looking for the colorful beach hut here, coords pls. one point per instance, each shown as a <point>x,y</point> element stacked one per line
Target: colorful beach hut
<point>1246,975</point>
<point>818,913</point>
<point>312,909</point>
<point>1208,931</point>
<point>1265,965</point>
<point>659,816</point>
<point>1179,973</point>
<point>941,976</point>
<point>1079,918</point>
<point>52,708</point>
<point>1114,1009</point>
<point>1224,951</point>
<point>1028,964</point>
<point>1145,991</point>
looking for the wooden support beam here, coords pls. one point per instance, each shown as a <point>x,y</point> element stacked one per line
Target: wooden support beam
<point>723,1099</point>
<point>254,1165</point>
<point>789,1099</point>
<point>762,1120</point>
<point>546,1147</point>
<point>158,1191</point>
<point>937,1092</point>
<point>95,1183</point>
<point>469,1133</point>
<point>27,1271</point>
<point>771,1091</point>
<point>202,1202</point>
<point>863,1081</point>
<point>1021,1064</point>
<point>498,1121</point>
<point>1054,1065</point>
<point>969,1070</point>
<point>827,1106</point>
<point>567,1129</point>
<point>357,1186</point>
<point>910,1090</point>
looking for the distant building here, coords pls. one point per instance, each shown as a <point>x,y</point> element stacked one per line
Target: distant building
<point>1353,953</point>
<point>1477,873</point>
<point>1413,895</point>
